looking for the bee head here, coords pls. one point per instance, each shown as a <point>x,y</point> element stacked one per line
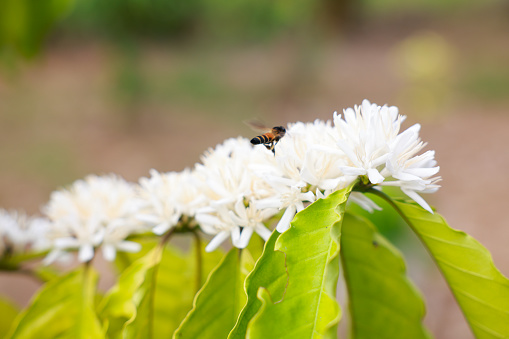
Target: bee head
<point>280,129</point>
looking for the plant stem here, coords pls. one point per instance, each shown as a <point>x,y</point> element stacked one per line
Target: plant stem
<point>199,259</point>
<point>152,297</point>
<point>167,237</point>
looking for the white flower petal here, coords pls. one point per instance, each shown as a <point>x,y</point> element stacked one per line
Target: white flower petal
<point>161,228</point>
<point>374,176</point>
<point>352,170</point>
<point>235,235</point>
<point>148,218</point>
<point>109,252</point>
<point>364,202</point>
<point>263,231</point>
<point>128,246</point>
<point>216,241</point>
<point>418,199</point>
<point>245,236</point>
<point>287,217</point>
<point>86,253</point>
<point>62,243</point>
<point>52,256</point>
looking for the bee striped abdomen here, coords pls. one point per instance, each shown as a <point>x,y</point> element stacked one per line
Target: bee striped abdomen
<point>262,139</point>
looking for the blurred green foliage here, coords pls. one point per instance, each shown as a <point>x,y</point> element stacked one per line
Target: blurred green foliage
<point>164,19</point>
<point>488,83</point>
<point>25,23</point>
<point>120,18</point>
<point>422,6</point>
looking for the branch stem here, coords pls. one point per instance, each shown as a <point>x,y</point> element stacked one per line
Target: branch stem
<point>199,258</point>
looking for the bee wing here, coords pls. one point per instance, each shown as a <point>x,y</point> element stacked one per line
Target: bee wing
<point>258,126</point>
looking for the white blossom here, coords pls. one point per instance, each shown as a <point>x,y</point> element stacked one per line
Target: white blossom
<point>304,165</point>
<point>239,223</point>
<point>364,202</point>
<point>364,136</point>
<point>289,198</point>
<point>412,173</point>
<point>301,158</point>
<point>166,197</point>
<point>97,211</point>
<point>315,159</point>
<point>233,176</point>
<point>20,233</point>
<point>369,137</point>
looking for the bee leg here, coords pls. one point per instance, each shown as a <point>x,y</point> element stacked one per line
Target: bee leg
<point>270,147</point>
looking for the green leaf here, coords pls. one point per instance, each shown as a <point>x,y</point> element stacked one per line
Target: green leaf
<point>383,302</point>
<point>46,273</point>
<point>308,277</point>
<point>265,273</point>
<point>8,313</point>
<point>480,289</point>
<point>162,300</point>
<point>125,259</point>
<point>218,304</point>
<point>63,308</point>
<point>255,247</point>
<point>129,304</point>
<point>177,286</point>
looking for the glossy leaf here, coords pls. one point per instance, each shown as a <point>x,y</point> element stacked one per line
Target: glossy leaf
<point>155,292</point>
<point>308,277</point>
<point>125,259</point>
<point>272,279</point>
<point>383,302</point>
<point>131,298</point>
<point>218,304</point>
<point>177,286</point>
<point>8,313</point>
<point>480,289</point>
<point>63,308</point>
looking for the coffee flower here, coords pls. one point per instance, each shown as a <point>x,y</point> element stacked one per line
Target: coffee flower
<point>20,233</point>
<point>238,222</point>
<point>364,137</point>
<point>315,159</point>
<point>166,197</point>
<point>303,166</point>
<point>370,139</point>
<point>97,211</point>
<point>412,173</point>
<point>233,177</point>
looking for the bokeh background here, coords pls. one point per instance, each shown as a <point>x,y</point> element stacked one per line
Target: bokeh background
<point>122,86</point>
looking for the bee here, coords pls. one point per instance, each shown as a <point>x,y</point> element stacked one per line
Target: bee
<point>270,137</point>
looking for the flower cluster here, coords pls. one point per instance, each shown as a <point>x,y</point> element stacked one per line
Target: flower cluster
<point>98,211</point>
<point>321,158</point>
<point>369,138</point>
<point>231,175</point>
<point>20,233</point>
<point>167,197</point>
<point>237,189</point>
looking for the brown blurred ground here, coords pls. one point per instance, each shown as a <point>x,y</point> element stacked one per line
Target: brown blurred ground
<point>69,114</point>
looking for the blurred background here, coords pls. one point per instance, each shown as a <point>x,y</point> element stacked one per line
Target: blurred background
<point>122,86</point>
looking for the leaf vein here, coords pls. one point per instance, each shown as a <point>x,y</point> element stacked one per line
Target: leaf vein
<point>469,272</point>
<point>454,243</point>
<point>487,329</point>
<point>481,301</point>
